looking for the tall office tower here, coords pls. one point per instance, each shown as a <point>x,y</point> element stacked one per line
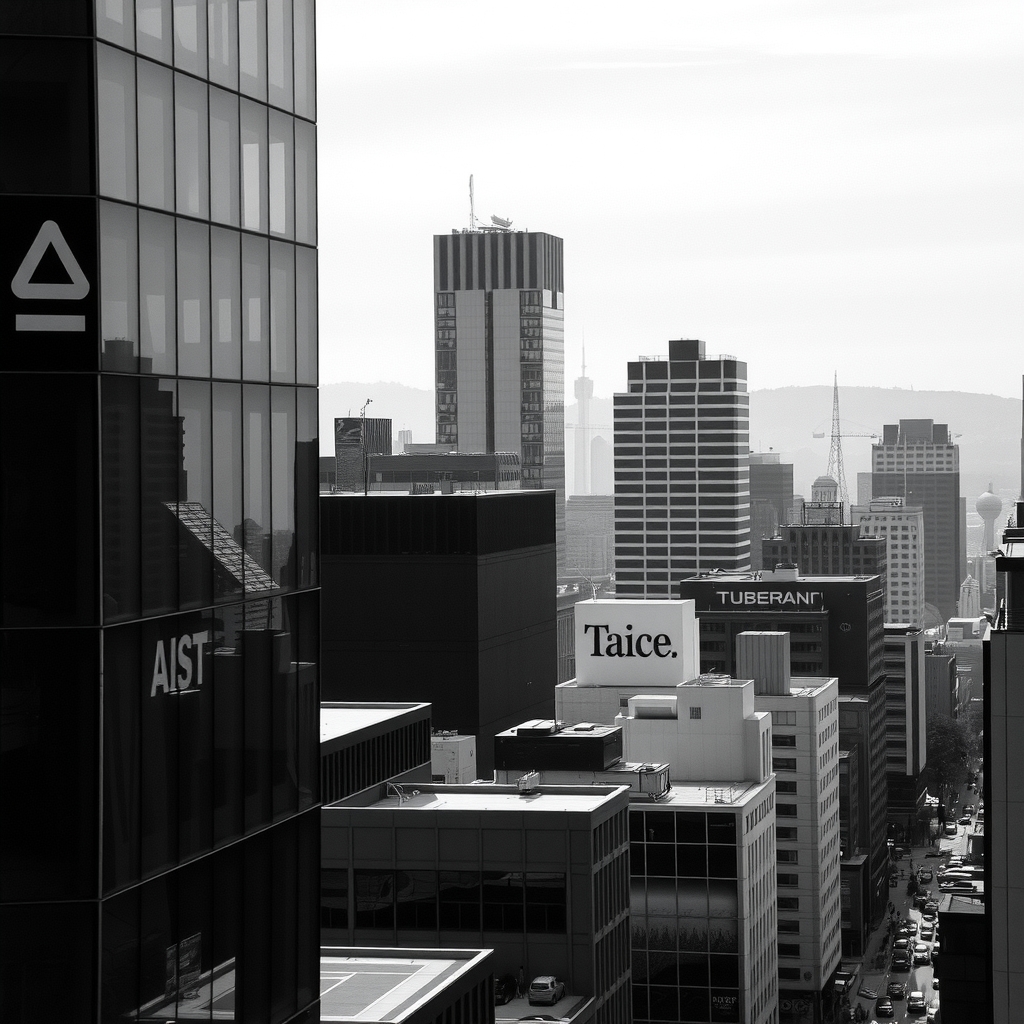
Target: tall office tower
<point>590,535</point>
<point>827,551</point>
<point>584,390</point>
<point>159,612</point>
<point>901,526</point>
<point>905,729</point>
<point>356,438</point>
<point>500,353</point>
<point>772,480</point>
<point>1004,801</point>
<point>805,759</point>
<point>836,629</point>
<point>682,495</point>
<point>918,461</point>
<point>404,437</point>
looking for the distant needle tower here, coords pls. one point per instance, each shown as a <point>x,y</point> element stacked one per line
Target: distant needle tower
<point>835,456</point>
<point>584,389</point>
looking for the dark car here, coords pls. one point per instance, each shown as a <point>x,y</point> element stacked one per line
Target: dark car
<point>896,990</point>
<point>925,875</point>
<point>545,990</point>
<point>504,989</point>
<point>884,1007</point>
<point>901,944</point>
<point>901,960</point>
<point>965,820</point>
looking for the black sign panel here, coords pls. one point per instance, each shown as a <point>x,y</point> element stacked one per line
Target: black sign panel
<point>49,285</point>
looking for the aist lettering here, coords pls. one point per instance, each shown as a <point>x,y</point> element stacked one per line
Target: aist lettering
<point>618,645</point>
<point>174,666</point>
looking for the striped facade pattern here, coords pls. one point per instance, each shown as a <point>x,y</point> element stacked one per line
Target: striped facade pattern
<point>494,260</point>
<point>682,485</point>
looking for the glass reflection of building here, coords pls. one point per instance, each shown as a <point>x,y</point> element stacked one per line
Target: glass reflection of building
<point>160,603</point>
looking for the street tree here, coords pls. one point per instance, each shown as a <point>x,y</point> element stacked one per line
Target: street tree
<point>949,753</point>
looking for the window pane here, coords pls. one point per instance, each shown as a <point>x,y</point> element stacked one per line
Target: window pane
<point>222,22</point>
<point>279,55</point>
<point>252,48</point>
<point>190,36</point>
<point>115,20</point>
<point>193,299</point>
<point>227,489</point>
<point>226,319</point>
<point>255,309</point>
<point>115,72</point>
<point>196,566</point>
<point>191,147</point>
<point>256,525</point>
<point>121,490</point>
<point>156,137</point>
<point>282,441</point>
<point>305,182</point>
<point>228,742</point>
<point>159,473</point>
<point>282,183</point>
<point>282,312</point>
<point>120,296</point>
<point>305,315</point>
<point>307,457</point>
<point>223,157</point>
<point>153,29</point>
<point>254,166</point>
<point>195,737</point>
<point>305,60</point>
<point>156,292</point>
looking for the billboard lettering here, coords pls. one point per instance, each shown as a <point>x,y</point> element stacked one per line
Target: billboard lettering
<point>177,661</point>
<point>618,645</point>
<point>771,598</point>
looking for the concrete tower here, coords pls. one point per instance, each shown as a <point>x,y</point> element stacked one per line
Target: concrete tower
<point>988,506</point>
<point>584,390</point>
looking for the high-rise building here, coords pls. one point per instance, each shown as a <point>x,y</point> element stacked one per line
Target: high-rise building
<point>159,612</point>
<point>827,551</point>
<point>356,438</point>
<point>1004,801</point>
<point>771,498</point>
<point>901,526</point>
<point>682,495</point>
<point>584,391</point>
<point>500,354</point>
<point>918,460</point>
<point>590,535</point>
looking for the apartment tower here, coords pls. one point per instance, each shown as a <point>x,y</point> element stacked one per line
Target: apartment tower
<point>918,461</point>
<point>160,608</point>
<point>682,496</point>
<point>500,354</point>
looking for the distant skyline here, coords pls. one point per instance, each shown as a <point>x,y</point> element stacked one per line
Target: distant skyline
<point>813,188</point>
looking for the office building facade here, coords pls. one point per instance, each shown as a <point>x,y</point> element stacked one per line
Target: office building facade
<point>682,491</point>
<point>901,527</point>
<point>826,551</point>
<point>446,598</point>
<point>159,623</point>
<point>356,438</point>
<point>500,352</point>
<point>918,461</point>
<point>590,536</point>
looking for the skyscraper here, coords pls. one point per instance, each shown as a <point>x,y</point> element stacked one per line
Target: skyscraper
<point>499,352</point>
<point>584,391</point>
<point>682,496</point>
<point>918,461</point>
<point>901,526</point>
<point>159,610</point>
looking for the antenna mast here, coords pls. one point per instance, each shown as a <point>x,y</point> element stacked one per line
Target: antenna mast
<point>835,453</point>
<point>472,210</point>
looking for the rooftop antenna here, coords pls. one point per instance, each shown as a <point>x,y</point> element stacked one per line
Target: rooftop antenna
<point>472,208</point>
<point>835,452</point>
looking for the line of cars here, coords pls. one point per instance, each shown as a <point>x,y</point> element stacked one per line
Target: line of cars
<point>910,949</point>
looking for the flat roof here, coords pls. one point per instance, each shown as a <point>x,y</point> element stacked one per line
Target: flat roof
<point>343,718</point>
<point>387,986</point>
<point>710,795</point>
<point>489,796</point>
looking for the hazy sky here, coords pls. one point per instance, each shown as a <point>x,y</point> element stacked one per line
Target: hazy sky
<point>808,186</point>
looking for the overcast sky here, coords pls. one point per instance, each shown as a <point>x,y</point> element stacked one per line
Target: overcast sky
<point>812,187</point>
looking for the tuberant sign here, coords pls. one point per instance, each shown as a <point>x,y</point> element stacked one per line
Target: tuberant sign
<point>626,642</point>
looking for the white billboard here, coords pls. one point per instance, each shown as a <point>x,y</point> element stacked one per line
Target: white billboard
<point>624,643</point>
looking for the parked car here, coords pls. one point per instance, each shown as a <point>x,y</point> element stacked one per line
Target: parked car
<point>896,990</point>
<point>916,1003</point>
<point>950,828</point>
<point>920,900</point>
<point>922,955</point>
<point>901,944</point>
<point>545,990</point>
<point>901,960</point>
<point>504,989</point>
<point>933,1012</point>
<point>884,1007</point>
<point>925,875</point>
<point>965,820</point>
<point>928,931</point>
<point>908,928</point>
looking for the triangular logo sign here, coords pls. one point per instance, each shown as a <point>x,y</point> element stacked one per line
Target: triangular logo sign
<point>22,286</point>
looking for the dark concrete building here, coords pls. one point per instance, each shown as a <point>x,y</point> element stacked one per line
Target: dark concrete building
<point>159,611</point>
<point>682,494</point>
<point>918,461</point>
<point>442,598</point>
<point>448,473</point>
<point>826,551</point>
<point>963,966</point>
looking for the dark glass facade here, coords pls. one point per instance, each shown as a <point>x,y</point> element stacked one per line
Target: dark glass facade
<point>159,600</point>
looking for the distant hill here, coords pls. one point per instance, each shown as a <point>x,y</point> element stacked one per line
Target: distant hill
<point>783,419</point>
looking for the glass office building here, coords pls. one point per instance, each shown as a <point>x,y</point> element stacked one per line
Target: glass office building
<point>159,597</point>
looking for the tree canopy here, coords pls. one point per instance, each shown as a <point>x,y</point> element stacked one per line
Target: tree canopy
<point>950,746</point>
